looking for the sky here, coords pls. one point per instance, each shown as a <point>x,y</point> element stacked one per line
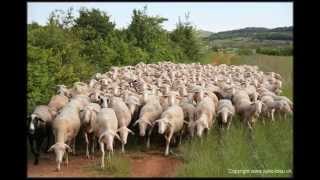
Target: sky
<point>214,17</point>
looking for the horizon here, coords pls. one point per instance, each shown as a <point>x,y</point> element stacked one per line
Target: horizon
<point>224,16</point>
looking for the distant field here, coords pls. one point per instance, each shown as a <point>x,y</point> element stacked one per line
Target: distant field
<point>269,147</point>
<point>241,42</point>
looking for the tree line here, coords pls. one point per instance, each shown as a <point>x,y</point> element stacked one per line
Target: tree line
<point>69,49</point>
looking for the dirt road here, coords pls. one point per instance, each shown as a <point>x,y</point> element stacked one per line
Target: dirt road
<point>142,164</point>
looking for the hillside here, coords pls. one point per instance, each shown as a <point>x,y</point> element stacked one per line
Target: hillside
<point>280,33</point>
<point>204,33</point>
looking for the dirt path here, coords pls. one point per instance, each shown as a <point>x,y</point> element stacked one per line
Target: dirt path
<point>153,164</point>
<point>142,164</point>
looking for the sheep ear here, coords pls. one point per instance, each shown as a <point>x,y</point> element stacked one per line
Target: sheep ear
<point>149,123</point>
<point>186,122</point>
<point>135,123</point>
<point>129,130</point>
<point>51,148</point>
<point>117,136</point>
<point>101,136</point>
<point>68,148</point>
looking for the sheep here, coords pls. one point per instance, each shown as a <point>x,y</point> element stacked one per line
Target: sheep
<point>268,107</point>
<point>248,110</point>
<point>149,112</point>
<point>170,123</point>
<point>226,111</point>
<point>189,115</point>
<point>278,98</point>
<point>65,128</point>
<point>105,129</point>
<point>124,117</point>
<point>88,117</point>
<point>205,113</point>
<point>57,102</point>
<point>39,128</point>
<point>63,90</point>
<point>132,101</point>
<point>282,107</point>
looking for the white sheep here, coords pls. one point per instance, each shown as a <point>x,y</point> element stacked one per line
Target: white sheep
<point>88,117</point>
<point>124,118</point>
<point>149,112</point>
<point>66,127</point>
<point>105,129</point>
<point>205,114</point>
<point>170,123</point>
<point>226,111</point>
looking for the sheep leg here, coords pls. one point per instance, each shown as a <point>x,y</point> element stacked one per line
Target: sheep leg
<point>148,138</point>
<point>248,123</point>
<point>272,115</point>
<point>38,149</point>
<point>122,148</point>
<point>67,159</point>
<point>48,138</point>
<point>74,146</point>
<point>180,137</point>
<point>102,154</point>
<point>87,145</point>
<point>229,123</point>
<point>92,145</point>
<point>168,139</point>
<point>31,141</point>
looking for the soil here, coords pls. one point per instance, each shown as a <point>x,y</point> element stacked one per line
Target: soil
<point>142,164</point>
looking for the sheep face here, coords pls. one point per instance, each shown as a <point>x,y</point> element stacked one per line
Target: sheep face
<point>163,124</point>
<point>200,126</point>
<point>104,101</point>
<point>108,138</point>
<point>224,115</point>
<point>124,131</point>
<point>36,123</point>
<point>285,107</point>
<point>59,149</point>
<point>85,116</point>
<point>142,128</point>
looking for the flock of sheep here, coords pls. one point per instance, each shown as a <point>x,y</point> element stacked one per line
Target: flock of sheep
<point>180,99</point>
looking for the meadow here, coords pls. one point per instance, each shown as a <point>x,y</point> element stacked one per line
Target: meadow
<point>233,153</point>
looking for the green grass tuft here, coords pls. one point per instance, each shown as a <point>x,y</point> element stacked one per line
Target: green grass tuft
<point>118,166</point>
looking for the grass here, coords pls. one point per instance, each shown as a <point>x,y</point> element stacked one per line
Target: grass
<point>119,166</point>
<point>268,147</point>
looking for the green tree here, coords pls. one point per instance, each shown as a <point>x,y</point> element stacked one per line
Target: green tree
<point>95,19</point>
<point>185,36</point>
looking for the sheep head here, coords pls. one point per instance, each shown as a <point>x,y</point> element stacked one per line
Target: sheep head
<point>224,112</point>
<point>107,138</point>
<point>201,125</point>
<point>35,123</point>
<point>163,124</point>
<point>59,149</point>
<point>142,126</point>
<point>124,131</point>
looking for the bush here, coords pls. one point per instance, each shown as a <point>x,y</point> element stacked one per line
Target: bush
<point>287,51</point>
<point>245,52</point>
<point>69,49</point>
